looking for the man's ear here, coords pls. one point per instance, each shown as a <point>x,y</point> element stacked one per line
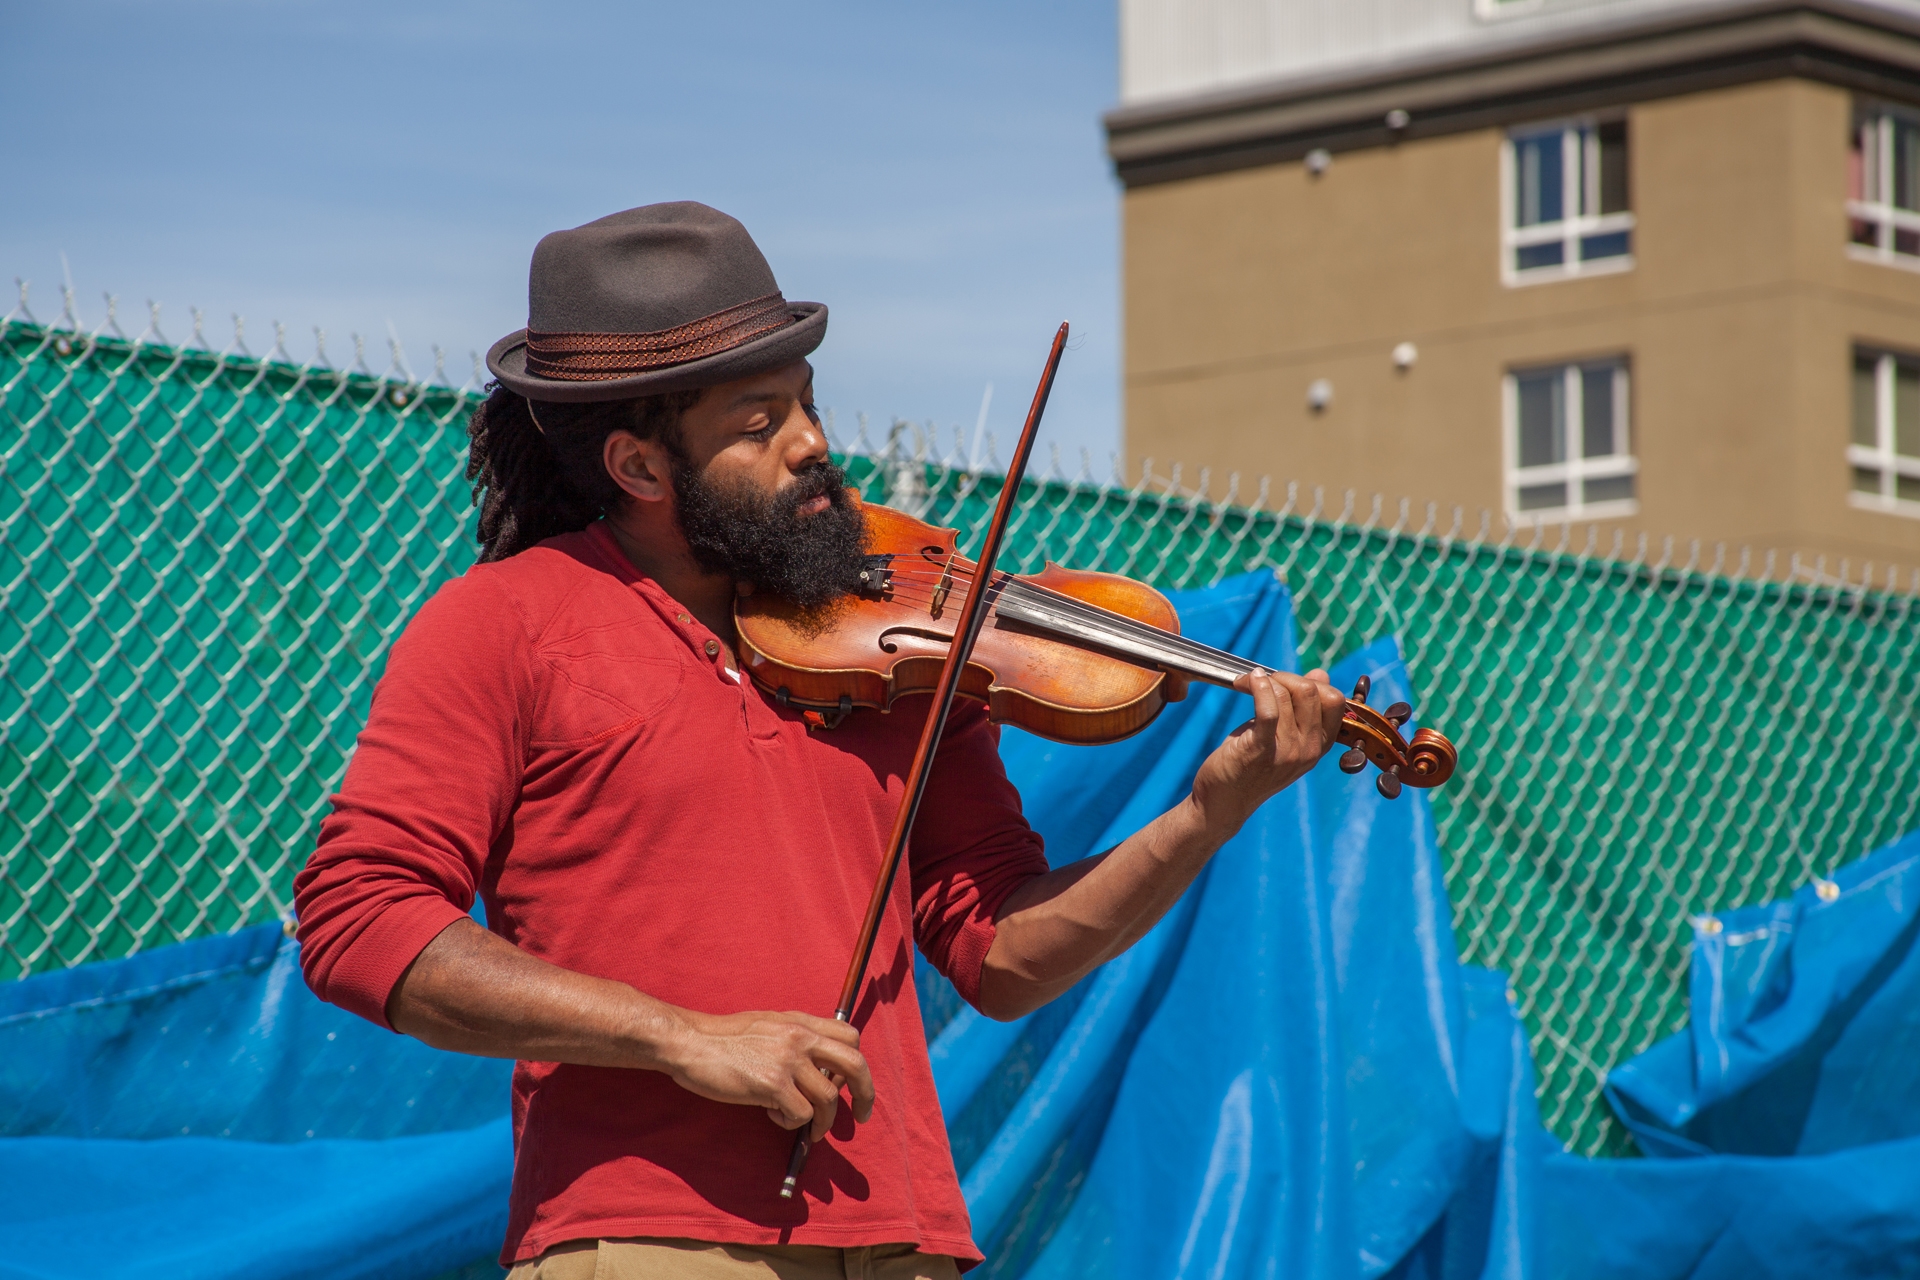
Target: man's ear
<point>642,468</point>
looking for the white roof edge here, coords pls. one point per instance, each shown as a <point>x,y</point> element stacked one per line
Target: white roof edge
<point>1541,22</point>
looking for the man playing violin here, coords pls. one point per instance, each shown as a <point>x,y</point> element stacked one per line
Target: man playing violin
<point>674,864</point>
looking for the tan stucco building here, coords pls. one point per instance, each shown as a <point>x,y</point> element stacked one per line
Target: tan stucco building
<point>1650,265</point>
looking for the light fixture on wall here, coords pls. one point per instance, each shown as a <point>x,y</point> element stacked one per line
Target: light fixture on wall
<point>1319,395</point>
<point>1398,119</point>
<point>1404,354</point>
<point>1317,161</point>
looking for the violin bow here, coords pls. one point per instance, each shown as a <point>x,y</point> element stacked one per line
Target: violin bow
<point>972,616</point>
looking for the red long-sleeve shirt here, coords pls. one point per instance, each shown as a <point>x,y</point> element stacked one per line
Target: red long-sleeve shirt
<point>557,734</point>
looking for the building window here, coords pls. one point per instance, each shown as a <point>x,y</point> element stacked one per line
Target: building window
<point>1568,452</point>
<point>1567,207</point>
<point>1885,452</point>
<point>1883,187</point>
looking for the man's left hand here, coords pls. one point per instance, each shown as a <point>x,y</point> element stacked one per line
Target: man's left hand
<point>1295,720</point>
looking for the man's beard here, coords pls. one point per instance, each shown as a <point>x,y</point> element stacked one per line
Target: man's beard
<point>734,530</point>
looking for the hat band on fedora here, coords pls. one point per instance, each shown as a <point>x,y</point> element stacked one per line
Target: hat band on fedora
<point>595,357</point>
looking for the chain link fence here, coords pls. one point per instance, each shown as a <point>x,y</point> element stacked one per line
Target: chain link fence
<point>204,556</point>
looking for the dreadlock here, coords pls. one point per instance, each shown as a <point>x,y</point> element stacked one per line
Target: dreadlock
<point>547,479</point>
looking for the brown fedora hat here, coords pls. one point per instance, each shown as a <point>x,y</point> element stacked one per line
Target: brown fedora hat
<point>660,298</point>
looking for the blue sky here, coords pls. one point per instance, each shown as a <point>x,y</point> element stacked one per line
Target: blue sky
<point>934,173</point>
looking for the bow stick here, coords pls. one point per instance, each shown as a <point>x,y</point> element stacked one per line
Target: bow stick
<point>971,618</point>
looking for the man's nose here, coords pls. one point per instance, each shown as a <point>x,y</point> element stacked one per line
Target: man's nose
<point>808,441</point>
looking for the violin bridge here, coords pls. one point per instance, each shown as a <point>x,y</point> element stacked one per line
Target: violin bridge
<point>941,592</point>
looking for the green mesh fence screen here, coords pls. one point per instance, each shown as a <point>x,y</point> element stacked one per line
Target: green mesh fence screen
<point>203,557</point>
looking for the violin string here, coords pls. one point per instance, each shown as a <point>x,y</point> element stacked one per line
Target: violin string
<point>923,593</point>
<point>1002,582</point>
<point>930,577</point>
<point>1116,624</point>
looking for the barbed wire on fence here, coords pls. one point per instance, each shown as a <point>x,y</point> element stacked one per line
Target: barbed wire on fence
<point>205,554</point>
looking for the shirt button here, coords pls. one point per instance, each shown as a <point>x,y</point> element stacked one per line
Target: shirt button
<point>713,648</point>
<point>684,619</point>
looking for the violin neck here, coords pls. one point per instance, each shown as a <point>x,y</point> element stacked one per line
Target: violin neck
<point>1087,626</point>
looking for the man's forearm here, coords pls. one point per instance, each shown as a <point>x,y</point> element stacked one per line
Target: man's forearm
<point>1055,929</point>
<point>1060,926</point>
<point>473,992</point>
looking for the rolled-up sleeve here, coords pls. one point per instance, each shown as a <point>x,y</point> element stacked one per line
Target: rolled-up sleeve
<point>431,786</point>
<point>971,849</point>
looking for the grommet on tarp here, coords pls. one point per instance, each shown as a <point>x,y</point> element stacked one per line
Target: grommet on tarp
<point>1826,890</point>
<point>1708,925</point>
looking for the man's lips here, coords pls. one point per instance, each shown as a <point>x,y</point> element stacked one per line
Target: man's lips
<point>814,506</point>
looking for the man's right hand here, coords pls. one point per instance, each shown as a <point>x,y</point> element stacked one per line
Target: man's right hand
<point>791,1065</point>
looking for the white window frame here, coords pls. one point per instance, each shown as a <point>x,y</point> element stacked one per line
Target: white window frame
<point>1877,207</point>
<point>1580,179</point>
<point>1577,468</point>
<point>1881,455</point>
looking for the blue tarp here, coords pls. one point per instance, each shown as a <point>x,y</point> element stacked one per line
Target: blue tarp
<point>1790,1106</point>
<point>1292,1075</point>
<point>194,1111</point>
<point>1806,1024</point>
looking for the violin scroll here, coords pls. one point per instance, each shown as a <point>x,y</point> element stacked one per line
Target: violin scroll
<point>1374,736</point>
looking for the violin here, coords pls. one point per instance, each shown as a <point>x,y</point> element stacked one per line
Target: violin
<point>1067,654</point>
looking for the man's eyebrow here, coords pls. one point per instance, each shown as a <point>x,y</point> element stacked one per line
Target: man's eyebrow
<point>764,397</point>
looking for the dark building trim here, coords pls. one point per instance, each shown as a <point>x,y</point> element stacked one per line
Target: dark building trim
<point>1859,46</point>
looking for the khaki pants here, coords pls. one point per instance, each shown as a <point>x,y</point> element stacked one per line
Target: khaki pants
<point>661,1259</point>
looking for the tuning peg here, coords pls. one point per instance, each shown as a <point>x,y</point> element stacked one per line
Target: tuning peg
<point>1398,714</point>
<point>1388,783</point>
<point>1360,688</point>
<point>1353,761</point>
